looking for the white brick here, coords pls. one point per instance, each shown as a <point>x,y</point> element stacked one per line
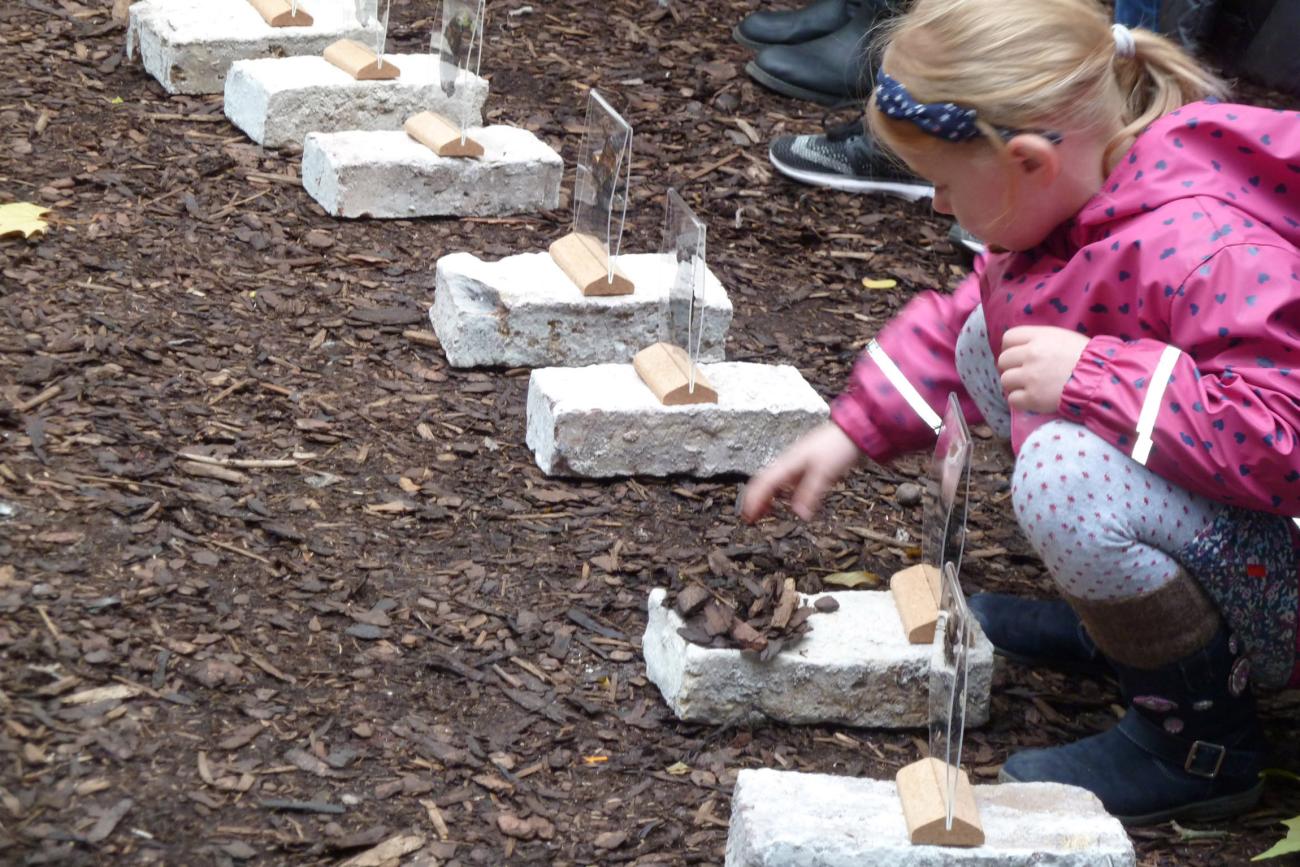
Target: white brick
<point>791,819</point>
<point>387,174</point>
<point>854,668</point>
<point>522,311</point>
<point>278,101</point>
<point>602,421</point>
<point>188,45</point>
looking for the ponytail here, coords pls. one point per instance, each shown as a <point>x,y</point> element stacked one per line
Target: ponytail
<point>1158,79</point>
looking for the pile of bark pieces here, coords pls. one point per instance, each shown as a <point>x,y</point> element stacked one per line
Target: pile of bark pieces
<point>776,616</point>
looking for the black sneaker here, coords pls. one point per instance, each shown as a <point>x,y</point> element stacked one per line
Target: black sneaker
<point>844,158</point>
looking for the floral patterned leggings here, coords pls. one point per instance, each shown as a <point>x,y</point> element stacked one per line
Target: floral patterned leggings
<point>1108,528</point>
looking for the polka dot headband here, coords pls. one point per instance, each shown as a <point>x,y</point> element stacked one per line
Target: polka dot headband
<point>944,120</point>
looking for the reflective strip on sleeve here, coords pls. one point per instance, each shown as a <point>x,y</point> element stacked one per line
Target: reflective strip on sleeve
<point>1151,405</point>
<point>905,388</point>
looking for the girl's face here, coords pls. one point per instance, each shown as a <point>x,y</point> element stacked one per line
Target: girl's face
<point>1011,199</point>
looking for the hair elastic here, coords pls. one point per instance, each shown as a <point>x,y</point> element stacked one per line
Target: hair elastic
<point>1125,44</point>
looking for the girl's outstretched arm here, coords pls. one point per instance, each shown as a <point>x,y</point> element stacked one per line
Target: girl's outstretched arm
<point>873,416</point>
<point>916,350</point>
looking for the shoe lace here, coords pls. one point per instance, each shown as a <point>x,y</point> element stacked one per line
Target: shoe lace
<point>844,130</point>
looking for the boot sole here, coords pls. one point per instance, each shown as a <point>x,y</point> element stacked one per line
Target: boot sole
<point>904,190</point>
<point>1224,807</point>
<point>785,88</point>
<point>744,40</point>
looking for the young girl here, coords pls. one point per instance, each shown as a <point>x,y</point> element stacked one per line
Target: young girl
<point>1134,333</point>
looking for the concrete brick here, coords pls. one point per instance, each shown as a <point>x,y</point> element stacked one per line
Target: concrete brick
<point>522,311</point>
<point>602,421</point>
<point>854,668</point>
<point>387,174</point>
<point>278,101</point>
<point>188,45</point>
<point>791,819</point>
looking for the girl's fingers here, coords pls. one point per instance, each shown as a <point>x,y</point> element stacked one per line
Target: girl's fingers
<point>1013,380</point>
<point>762,489</point>
<point>807,499</point>
<point>1011,358</point>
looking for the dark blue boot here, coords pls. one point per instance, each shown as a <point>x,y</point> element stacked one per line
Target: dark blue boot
<point>1038,632</point>
<point>1190,746</point>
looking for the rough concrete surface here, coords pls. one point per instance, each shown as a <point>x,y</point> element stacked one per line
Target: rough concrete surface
<point>522,311</point>
<point>602,421</point>
<point>278,101</point>
<point>387,174</point>
<point>791,819</point>
<point>189,45</point>
<point>854,668</point>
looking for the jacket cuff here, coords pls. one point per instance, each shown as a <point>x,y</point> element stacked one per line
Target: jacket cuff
<point>1087,378</point>
<point>852,418</point>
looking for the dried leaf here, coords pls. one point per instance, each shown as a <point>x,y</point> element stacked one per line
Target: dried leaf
<point>22,218</point>
<point>853,579</point>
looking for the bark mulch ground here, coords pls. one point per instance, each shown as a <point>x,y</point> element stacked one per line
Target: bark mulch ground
<point>278,586</point>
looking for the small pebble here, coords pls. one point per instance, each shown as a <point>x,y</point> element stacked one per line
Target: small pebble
<point>908,494</point>
<point>826,604</point>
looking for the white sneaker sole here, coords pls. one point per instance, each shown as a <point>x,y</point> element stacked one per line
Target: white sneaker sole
<point>904,190</point>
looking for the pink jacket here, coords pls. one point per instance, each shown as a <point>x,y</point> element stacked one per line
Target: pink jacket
<point>1193,243</point>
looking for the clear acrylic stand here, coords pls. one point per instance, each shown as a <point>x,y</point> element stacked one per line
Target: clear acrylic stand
<point>670,368</point>
<point>458,41</point>
<point>604,173</point>
<point>918,589</point>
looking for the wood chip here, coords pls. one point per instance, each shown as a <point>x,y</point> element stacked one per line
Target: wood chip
<point>786,606</point>
<point>388,851</point>
<point>691,599</point>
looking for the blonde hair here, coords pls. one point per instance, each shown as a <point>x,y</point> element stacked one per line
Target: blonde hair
<point>1034,65</point>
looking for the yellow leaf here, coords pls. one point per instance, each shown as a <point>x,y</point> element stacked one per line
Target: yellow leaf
<point>1288,845</point>
<point>117,100</point>
<point>22,217</point>
<point>678,769</point>
<point>884,283</point>
<point>853,579</point>
<point>595,760</point>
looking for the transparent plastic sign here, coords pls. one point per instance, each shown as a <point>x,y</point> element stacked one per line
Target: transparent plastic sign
<point>947,487</point>
<point>366,10</point>
<point>948,693</point>
<point>381,39</point>
<point>458,39</point>
<point>604,171</point>
<point>683,247</point>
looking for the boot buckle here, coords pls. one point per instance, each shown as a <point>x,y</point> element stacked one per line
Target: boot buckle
<point>1195,763</point>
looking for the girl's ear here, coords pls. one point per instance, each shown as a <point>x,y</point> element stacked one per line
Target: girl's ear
<point>1036,158</point>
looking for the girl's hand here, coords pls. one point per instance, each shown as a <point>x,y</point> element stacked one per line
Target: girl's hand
<point>1036,362</point>
<point>805,471</point>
